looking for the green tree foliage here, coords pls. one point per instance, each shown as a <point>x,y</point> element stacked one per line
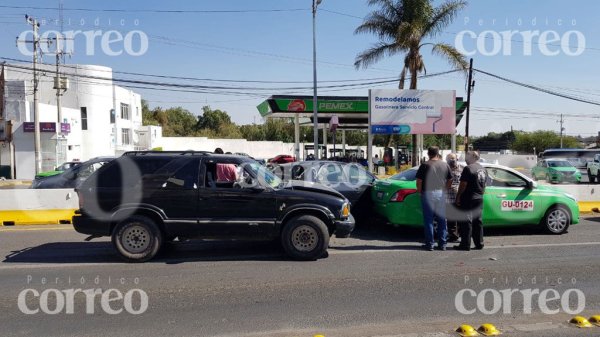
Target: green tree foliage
<point>495,141</point>
<point>212,119</point>
<point>541,140</point>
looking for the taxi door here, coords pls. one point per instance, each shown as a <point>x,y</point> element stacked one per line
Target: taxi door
<point>509,199</point>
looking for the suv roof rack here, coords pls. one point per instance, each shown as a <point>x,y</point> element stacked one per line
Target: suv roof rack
<point>186,152</point>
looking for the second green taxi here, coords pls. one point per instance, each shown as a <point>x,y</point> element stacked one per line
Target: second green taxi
<point>556,171</point>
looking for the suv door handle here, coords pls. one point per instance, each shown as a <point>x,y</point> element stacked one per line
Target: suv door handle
<point>501,196</point>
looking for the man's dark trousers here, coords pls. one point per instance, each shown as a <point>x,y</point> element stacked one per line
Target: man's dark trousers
<point>472,226</point>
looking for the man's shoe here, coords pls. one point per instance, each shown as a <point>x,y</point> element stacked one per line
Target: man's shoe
<point>453,240</point>
<point>459,247</point>
<point>480,247</point>
<point>427,247</point>
<point>442,248</point>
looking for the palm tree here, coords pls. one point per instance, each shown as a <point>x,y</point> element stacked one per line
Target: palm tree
<point>404,26</point>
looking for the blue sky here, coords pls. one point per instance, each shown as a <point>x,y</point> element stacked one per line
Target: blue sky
<point>277,46</point>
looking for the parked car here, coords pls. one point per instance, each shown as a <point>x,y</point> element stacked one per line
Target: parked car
<point>593,168</point>
<point>556,171</point>
<point>350,179</point>
<point>143,199</point>
<point>282,159</point>
<point>73,176</point>
<point>60,169</point>
<point>510,199</point>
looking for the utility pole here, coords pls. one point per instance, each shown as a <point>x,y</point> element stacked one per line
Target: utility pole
<point>315,3</point>
<point>561,121</point>
<point>36,106</point>
<point>470,84</point>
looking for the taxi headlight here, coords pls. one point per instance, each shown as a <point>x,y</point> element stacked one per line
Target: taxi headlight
<point>570,196</point>
<point>345,210</point>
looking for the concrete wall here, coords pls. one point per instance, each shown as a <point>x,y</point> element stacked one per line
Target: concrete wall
<point>512,160</point>
<point>258,149</point>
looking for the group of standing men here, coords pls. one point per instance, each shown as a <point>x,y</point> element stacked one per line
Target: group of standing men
<point>453,198</point>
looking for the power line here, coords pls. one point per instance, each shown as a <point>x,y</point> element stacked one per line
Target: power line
<point>547,91</point>
<point>206,87</point>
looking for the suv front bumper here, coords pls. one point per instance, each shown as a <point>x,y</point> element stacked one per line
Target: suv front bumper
<point>343,228</point>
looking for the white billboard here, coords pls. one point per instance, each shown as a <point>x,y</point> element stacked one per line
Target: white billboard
<point>395,111</point>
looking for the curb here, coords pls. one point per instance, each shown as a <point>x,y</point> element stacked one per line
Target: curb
<point>36,217</point>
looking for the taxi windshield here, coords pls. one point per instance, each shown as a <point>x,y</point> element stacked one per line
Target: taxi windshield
<point>559,163</point>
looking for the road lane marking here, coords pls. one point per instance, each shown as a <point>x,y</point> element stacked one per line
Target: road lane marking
<point>334,251</point>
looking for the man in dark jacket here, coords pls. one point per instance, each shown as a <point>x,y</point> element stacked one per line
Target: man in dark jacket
<point>470,201</point>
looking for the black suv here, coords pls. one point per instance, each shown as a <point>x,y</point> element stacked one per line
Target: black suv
<point>143,199</point>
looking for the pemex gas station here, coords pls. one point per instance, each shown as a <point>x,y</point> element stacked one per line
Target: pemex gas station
<point>384,111</point>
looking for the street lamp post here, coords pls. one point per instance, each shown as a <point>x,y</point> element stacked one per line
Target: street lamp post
<point>315,3</point>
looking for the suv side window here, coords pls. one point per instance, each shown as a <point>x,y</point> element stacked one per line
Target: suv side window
<point>120,174</point>
<point>185,177</point>
<point>222,174</point>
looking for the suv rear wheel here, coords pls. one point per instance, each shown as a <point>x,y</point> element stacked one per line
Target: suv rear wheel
<point>305,237</point>
<point>137,239</point>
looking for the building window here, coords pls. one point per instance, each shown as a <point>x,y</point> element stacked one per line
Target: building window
<point>124,111</point>
<point>137,111</point>
<point>125,133</point>
<point>112,116</point>
<point>84,118</point>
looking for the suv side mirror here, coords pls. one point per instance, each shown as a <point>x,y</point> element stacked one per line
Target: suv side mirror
<point>530,185</point>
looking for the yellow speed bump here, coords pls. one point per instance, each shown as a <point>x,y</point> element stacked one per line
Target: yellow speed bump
<point>595,320</point>
<point>580,322</point>
<point>319,336</point>
<point>488,329</point>
<point>466,331</point>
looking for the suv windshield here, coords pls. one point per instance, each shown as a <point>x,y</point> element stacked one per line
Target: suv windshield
<point>265,175</point>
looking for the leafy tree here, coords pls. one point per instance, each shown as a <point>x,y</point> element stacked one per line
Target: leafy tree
<point>402,26</point>
<point>541,140</point>
<point>212,119</point>
<point>148,117</point>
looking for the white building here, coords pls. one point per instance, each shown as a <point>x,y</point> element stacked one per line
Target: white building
<point>104,119</point>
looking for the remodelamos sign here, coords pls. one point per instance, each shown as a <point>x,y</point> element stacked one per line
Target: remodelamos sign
<point>395,111</point>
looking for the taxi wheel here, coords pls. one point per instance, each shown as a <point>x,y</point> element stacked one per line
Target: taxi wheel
<point>557,220</point>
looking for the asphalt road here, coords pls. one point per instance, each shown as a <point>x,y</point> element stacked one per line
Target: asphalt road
<point>378,283</point>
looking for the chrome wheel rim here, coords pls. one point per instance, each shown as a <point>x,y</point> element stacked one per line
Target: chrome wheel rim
<point>305,238</point>
<point>136,239</point>
<point>557,220</point>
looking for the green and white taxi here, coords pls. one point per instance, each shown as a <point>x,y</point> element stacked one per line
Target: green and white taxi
<point>510,199</point>
<point>556,171</point>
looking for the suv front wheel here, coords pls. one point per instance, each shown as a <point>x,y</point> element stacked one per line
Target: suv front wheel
<point>137,239</point>
<point>305,237</point>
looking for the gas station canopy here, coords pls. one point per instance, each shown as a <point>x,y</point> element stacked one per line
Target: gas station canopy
<point>352,111</point>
